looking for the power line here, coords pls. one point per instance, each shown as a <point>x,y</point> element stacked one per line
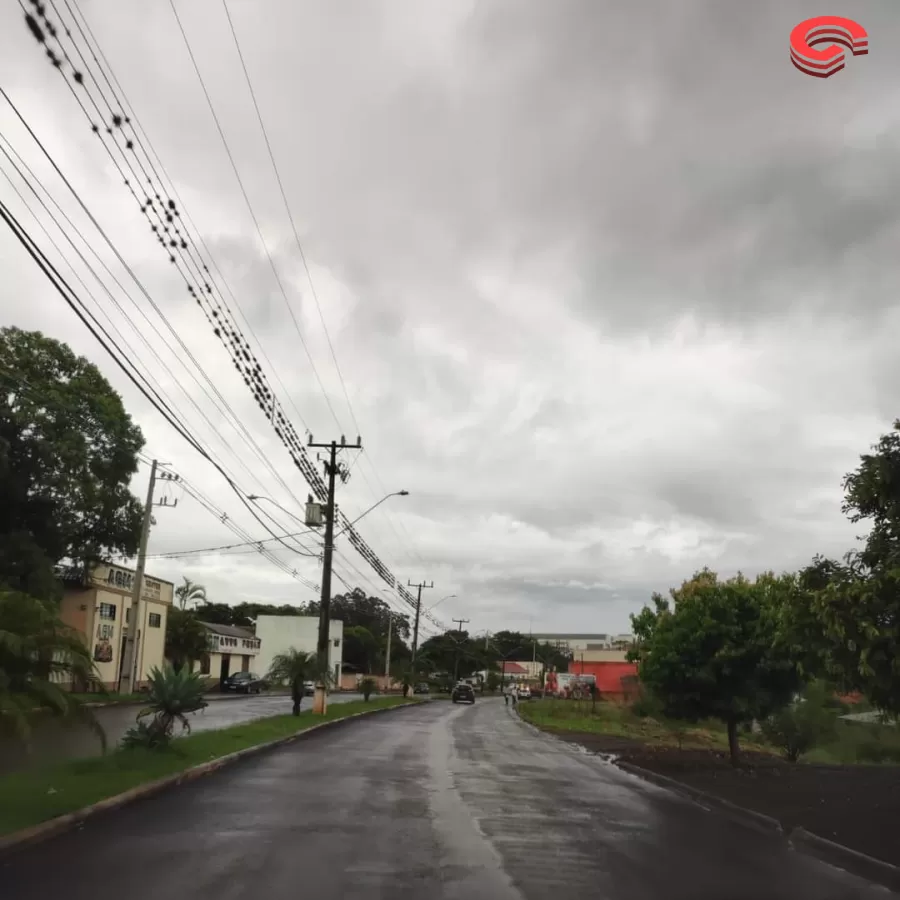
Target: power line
<point>229,334</point>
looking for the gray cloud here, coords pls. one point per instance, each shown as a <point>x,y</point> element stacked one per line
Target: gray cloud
<point>609,305</point>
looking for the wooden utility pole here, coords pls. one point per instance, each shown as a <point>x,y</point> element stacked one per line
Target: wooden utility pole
<point>459,622</point>
<point>332,470</point>
<point>415,645</point>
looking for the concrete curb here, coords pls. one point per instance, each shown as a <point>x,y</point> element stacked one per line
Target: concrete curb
<point>758,821</point>
<point>52,827</point>
<point>841,857</point>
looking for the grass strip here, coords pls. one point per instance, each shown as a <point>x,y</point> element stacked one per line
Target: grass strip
<point>578,716</point>
<point>28,798</point>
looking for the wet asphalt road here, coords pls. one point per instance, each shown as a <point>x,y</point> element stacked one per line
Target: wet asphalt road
<point>55,742</point>
<point>435,802</point>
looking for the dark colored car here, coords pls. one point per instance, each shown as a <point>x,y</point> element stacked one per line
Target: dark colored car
<point>463,693</point>
<point>244,683</point>
<point>421,688</point>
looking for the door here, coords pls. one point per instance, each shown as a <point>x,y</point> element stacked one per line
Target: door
<point>245,663</point>
<point>224,669</point>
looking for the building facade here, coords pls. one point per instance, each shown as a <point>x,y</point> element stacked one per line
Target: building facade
<point>278,634</point>
<point>231,649</point>
<point>584,643</point>
<point>98,608</point>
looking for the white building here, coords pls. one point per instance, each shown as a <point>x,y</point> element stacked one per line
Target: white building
<point>278,634</point>
<point>578,643</point>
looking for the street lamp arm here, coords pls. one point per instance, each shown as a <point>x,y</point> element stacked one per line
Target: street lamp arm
<point>373,506</point>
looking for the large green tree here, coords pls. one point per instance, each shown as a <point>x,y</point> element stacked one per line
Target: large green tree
<point>857,602</point>
<point>68,451</point>
<point>187,641</point>
<point>717,650</point>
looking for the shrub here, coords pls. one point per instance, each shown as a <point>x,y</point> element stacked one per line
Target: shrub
<point>803,725</point>
<point>367,687</point>
<point>172,696</point>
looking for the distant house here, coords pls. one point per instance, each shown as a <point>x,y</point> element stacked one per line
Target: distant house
<point>98,604</point>
<point>513,671</point>
<point>231,649</point>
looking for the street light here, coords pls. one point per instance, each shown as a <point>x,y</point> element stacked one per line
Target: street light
<point>448,597</point>
<point>386,497</point>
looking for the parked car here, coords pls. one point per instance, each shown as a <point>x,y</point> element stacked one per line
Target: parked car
<point>463,693</point>
<point>422,688</point>
<point>523,692</point>
<point>244,683</point>
<point>309,688</point>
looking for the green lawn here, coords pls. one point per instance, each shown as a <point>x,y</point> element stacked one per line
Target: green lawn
<point>27,798</point>
<point>621,722</point>
<point>851,744</point>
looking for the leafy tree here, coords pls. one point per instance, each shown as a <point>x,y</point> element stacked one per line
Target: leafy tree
<point>189,592</point>
<point>804,724</point>
<point>357,609</point>
<point>361,650</point>
<point>716,651</point>
<point>37,652</point>
<point>294,667</point>
<point>172,696</point>
<point>186,639</point>
<point>858,602</point>
<point>68,451</point>
<point>219,614</point>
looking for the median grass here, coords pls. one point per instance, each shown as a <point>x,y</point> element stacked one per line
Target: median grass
<point>28,798</point>
<point>583,717</point>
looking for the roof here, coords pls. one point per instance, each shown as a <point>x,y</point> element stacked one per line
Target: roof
<point>513,668</point>
<point>228,630</point>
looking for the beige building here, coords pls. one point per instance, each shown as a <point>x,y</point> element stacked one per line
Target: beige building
<point>231,649</point>
<point>98,607</point>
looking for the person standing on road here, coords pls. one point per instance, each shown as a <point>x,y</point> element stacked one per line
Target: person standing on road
<point>506,696</point>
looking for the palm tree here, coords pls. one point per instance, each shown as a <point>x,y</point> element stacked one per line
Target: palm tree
<point>186,639</point>
<point>293,667</point>
<point>367,686</point>
<point>190,592</point>
<point>39,655</point>
<point>172,696</point>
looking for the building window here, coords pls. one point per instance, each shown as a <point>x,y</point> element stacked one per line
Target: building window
<point>154,620</point>
<point>337,643</point>
<point>108,611</point>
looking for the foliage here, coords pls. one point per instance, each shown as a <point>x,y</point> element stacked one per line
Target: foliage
<point>189,592</point>
<point>806,723</point>
<point>68,451</point>
<point>367,686</point>
<point>173,694</point>
<point>357,609</point>
<point>186,638</point>
<point>717,651</point>
<point>493,681</point>
<point>857,602</point>
<point>38,652</point>
<point>293,667</point>
<point>361,650</point>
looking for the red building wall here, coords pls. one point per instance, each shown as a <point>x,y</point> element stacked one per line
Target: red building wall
<point>609,675</point>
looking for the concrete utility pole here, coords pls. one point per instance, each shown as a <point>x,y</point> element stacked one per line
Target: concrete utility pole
<point>415,645</point>
<point>459,622</point>
<point>387,656</point>
<point>132,658</point>
<point>332,471</point>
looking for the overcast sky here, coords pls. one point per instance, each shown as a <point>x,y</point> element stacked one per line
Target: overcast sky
<point>612,287</point>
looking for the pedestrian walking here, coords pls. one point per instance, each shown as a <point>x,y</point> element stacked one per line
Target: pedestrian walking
<point>506,696</point>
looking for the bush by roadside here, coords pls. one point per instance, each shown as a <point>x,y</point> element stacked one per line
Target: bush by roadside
<point>27,799</point>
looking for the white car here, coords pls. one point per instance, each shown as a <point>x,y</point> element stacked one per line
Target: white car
<point>523,692</point>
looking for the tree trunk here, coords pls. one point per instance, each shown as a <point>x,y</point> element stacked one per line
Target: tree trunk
<point>733,748</point>
<point>297,697</point>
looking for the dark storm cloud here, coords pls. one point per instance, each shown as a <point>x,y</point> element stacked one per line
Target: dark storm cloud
<point>608,305</point>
